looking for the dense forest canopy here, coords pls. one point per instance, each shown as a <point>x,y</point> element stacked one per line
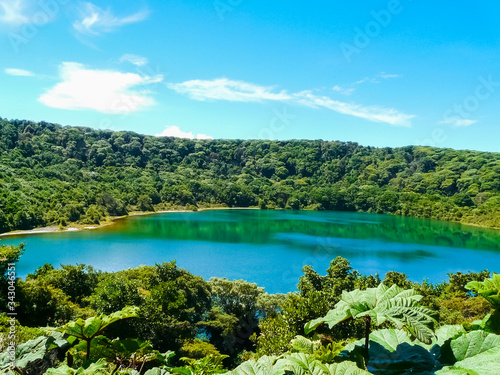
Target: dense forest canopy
<point>52,174</point>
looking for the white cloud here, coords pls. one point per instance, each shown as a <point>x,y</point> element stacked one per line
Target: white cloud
<point>12,12</point>
<point>385,75</point>
<point>457,121</point>
<point>175,131</point>
<point>95,20</point>
<point>372,113</point>
<point>134,59</point>
<point>203,136</point>
<point>343,90</point>
<point>377,78</point>
<point>19,72</point>
<point>225,89</point>
<point>105,91</point>
<point>15,13</point>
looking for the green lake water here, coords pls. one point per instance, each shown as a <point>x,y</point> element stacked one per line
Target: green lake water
<point>270,247</point>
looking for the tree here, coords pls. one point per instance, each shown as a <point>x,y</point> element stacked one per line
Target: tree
<point>4,222</point>
<point>115,293</point>
<point>144,203</point>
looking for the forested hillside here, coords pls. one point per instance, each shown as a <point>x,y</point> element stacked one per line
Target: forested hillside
<point>56,175</point>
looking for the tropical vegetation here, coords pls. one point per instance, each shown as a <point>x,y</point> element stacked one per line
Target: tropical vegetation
<point>163,320</point>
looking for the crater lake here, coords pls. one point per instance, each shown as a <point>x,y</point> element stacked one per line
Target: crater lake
<point>270,247</point>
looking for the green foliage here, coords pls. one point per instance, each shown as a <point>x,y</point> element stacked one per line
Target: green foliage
<point>87,330</point>
<point>340,277</point>
<point>200,320</point>
<point>44,304</point>
<point>278,330</point>
<point>115,293</point>
<point>198,349</point>
<point>234,317</point>
<point>100,367</point>
<point>8,256</point>
<point>77,282</point>
<point>211,364</point>
<point>393,352</point>
<point>175,302</point>
<point>297,364</point>
<point>324,353</point>
<point>395,305</point>
<point>37,355</point>
<point>486,363</point>
<point>21,334</point>
<point>489,289</point>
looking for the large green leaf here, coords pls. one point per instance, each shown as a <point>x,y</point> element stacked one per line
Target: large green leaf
<point>100,367</point>
<point>302,364</point>
<point>396,305</point>
<point>332,318</point>
<point>489,289</point>
<point>485,363</point>
<point>263,366</point>
<point>344,368</point>
<point>302,345</point>
<point>473,343</point>
<point>392,352</point>
<point>93,326</point>
<point>31,351</point>
<point>447,332</point>
<point>157,371</point>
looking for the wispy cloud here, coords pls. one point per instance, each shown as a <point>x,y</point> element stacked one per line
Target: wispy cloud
<point>94,20</point>
<point>175,131</point>
<point>134,59</point>
<point>377,78</point>
<point>458,122</point>
<point>12,12</point>
<point>19,72</point>
<point>105,91</point>
<point>16,13</point>
<point>343,90</point>
<point>349,89</point>
<point>371,113</point>
<point>238,91</point>
<point>385,75</point>
<point>226,89</point>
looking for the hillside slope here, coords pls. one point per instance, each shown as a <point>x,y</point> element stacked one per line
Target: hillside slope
<point>52,174</point>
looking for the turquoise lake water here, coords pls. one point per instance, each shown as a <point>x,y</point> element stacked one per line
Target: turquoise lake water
<point>270,247</point>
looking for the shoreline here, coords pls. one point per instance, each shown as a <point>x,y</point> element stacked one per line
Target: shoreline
<point>73,227</point>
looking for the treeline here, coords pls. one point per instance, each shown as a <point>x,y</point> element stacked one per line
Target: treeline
<point>232,321</point>
<point>51,174</point>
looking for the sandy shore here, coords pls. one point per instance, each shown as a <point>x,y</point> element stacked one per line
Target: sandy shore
<point>79,227</point>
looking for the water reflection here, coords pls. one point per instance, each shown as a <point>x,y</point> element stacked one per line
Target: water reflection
<point>270,247</point>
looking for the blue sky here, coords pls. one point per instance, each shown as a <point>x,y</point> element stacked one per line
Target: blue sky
<point>381,73</point>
